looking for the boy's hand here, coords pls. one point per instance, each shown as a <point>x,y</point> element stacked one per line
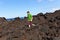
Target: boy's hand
<point>32,18</point>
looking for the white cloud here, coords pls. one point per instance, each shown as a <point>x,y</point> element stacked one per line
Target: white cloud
<point>46,0</point>
<point>39,0</point>
<point>51,0</point>
<point>54,9</point>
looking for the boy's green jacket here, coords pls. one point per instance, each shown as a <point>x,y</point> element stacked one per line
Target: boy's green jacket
<point>29,16</point>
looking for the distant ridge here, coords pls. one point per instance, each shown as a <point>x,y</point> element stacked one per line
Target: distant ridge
<point>9,19</point>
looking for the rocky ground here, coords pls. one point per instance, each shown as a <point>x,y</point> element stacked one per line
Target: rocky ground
<point>47,27</point>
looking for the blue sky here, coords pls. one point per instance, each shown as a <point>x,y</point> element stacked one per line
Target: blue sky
<point>18,8</point>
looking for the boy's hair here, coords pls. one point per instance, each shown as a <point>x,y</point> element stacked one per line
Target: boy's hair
<point>28,12</point>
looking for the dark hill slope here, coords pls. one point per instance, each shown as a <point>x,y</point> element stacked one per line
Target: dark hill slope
<point>47,28</point>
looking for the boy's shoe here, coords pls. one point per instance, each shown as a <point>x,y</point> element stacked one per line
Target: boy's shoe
<point>33,25</point>
<point>29,26</point>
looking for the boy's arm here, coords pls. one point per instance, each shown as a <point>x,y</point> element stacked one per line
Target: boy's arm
<point>31,17</point>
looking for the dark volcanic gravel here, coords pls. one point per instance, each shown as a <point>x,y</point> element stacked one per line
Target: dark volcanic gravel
<point>47,27</point>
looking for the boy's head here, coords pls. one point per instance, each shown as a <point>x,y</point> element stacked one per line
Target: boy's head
<point>28,12</point>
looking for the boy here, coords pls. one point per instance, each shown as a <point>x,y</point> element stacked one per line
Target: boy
<point>30,18</point>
